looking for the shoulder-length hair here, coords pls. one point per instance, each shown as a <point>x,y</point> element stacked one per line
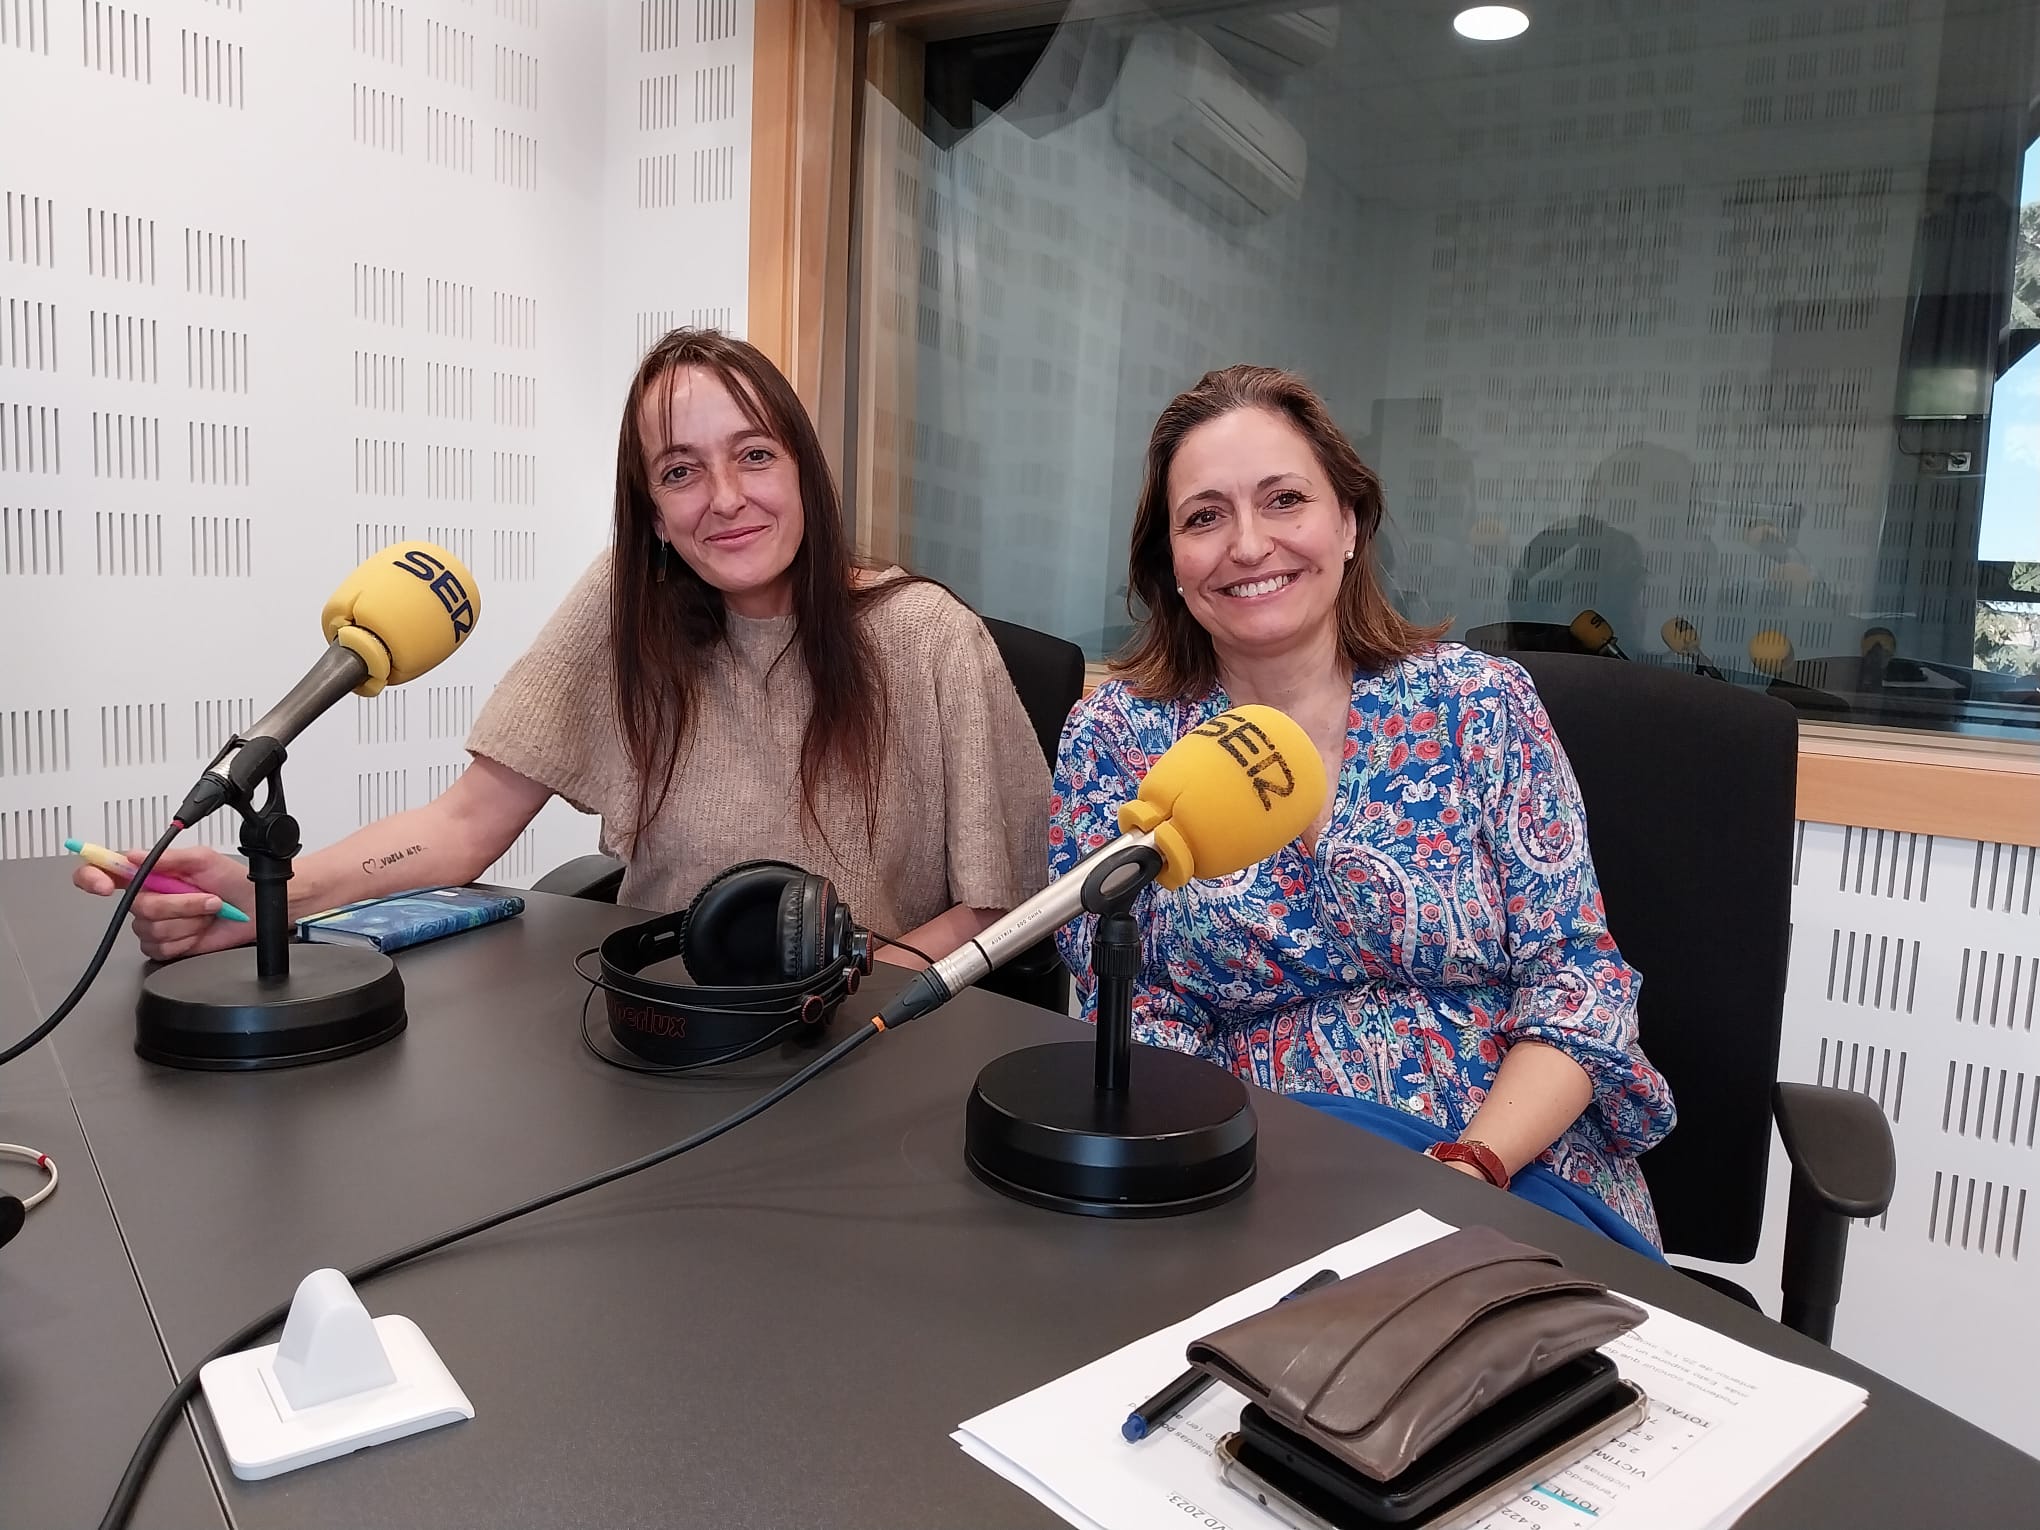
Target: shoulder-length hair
<point>665,619</point>
<point>1170,655</point>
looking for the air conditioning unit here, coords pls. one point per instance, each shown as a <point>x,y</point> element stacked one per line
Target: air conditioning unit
<point>1181,108</point>
<point>1274,42</point>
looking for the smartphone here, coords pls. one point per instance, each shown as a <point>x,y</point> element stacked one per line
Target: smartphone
<point>1533,1432</point>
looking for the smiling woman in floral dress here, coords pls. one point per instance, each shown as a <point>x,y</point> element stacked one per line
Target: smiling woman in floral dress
<point>1435,942</point>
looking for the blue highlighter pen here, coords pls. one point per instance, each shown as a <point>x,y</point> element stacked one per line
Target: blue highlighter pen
<point>1186,1388</point>
<point>117,865</point>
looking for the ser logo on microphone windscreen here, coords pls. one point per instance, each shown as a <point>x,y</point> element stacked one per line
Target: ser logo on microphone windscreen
<point>1242,738</point>
<point>446,585</point>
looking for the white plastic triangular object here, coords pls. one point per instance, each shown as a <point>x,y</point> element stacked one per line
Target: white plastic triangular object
<point>338,1382</point>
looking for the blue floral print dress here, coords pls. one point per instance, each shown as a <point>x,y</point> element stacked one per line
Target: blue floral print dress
<point>1448,910</point>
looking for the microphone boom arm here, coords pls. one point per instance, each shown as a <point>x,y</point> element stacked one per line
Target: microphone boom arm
<point>1035,920</point>
<point>339,670</point>
<point>254,755</point>
<point>1020,930</point>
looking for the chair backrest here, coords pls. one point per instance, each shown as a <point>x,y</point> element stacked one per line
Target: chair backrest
<point>1047,672</point>
<point>1689,787</point>
<point>1512,638</point>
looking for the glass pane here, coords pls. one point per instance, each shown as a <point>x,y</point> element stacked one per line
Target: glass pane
<point>1687,312</point>
<point>2008,550</point>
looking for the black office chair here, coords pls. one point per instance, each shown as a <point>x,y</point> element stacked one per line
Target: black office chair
<point>1689,789</point>
<point>1048,674</point>
<point>1513,638</point>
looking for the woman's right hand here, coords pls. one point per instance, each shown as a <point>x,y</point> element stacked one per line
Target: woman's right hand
<point>170,925</point>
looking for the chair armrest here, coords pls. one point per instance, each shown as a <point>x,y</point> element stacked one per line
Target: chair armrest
<point>1843,1166</point>
<point>597,877</point>
<point>1839,1143</point>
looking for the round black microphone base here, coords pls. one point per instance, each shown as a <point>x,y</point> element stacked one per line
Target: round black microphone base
<point>1178,1138</point>
<point>212,1011</point>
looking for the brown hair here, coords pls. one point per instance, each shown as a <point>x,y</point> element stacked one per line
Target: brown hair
<point>1170,655</point>
<point>665,618</point>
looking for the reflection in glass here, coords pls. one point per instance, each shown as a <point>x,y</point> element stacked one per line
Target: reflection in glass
<point>1690,313</point>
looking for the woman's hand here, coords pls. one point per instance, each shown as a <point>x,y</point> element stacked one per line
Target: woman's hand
<point>170,925</point>
<point>449,841</point>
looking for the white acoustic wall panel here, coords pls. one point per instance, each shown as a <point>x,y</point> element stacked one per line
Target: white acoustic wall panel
<point>679,127</point>
<point>1915,979</point>
<point>281,283</point>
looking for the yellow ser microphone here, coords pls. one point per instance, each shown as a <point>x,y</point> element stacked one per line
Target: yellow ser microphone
<point>1590,629</point>
<point>1683,638</point>
<point>1226,796</point>
<point>404,611</point>
<point>1770,651</point>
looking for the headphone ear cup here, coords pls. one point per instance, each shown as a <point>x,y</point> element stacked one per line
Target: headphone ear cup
<point>833,929</point>
<point>806,907</point>
<point>733,926</point>
<point>844,949</point>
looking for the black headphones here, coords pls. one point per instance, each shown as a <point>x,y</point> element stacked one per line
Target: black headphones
<point>770,948</point>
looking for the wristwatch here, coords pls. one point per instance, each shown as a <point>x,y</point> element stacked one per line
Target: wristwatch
<point>1479,1154</point>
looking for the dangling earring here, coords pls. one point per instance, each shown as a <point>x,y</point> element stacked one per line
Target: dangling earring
<point>662,558</point>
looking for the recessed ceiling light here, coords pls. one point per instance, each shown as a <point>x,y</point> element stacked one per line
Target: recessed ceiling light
<point>1490,23</point>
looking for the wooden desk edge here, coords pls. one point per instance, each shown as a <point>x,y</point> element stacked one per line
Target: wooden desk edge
<point>1949,791</point>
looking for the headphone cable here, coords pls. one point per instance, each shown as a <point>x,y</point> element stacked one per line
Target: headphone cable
<point>120,912</point>
<point>151,1444</point>
<point>901,945</point>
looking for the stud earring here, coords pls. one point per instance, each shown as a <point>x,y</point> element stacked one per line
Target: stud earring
<point>1349,555</point>
<point>1179,589</point>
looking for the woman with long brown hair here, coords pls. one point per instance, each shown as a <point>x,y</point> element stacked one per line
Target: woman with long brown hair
<point>725,684</point>
<point>1435,942</point>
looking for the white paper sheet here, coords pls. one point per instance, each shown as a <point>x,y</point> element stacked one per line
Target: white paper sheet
<point>1726,1423</point>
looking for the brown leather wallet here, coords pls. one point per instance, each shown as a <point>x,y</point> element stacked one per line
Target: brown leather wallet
<point>1383,1365</point>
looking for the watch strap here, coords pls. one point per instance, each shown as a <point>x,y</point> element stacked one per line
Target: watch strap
<point>1479,1154</point>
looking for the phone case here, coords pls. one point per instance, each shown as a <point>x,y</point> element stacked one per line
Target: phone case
<point>1550,1406</point>
<point>1302,1503</point>
<point>1381,1368</point>
<point>403,920</point>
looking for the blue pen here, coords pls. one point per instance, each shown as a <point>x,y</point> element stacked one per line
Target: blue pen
<point>1180,1393</point>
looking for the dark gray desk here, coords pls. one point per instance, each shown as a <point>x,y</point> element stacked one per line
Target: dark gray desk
<point>782,1328</point>
<point>81,1368</point>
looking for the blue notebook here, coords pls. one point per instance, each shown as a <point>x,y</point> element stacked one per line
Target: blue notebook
<point>410,919</point>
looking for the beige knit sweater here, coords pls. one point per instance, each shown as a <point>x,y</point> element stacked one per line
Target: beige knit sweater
<point>963,789</point>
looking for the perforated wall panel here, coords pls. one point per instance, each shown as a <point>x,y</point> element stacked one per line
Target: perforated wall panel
<point>283,283</point>
<point>1915,980</point>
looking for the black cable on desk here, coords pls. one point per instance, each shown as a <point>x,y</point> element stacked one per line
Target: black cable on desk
<point>151,1444</point>
<point>120,912</point>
